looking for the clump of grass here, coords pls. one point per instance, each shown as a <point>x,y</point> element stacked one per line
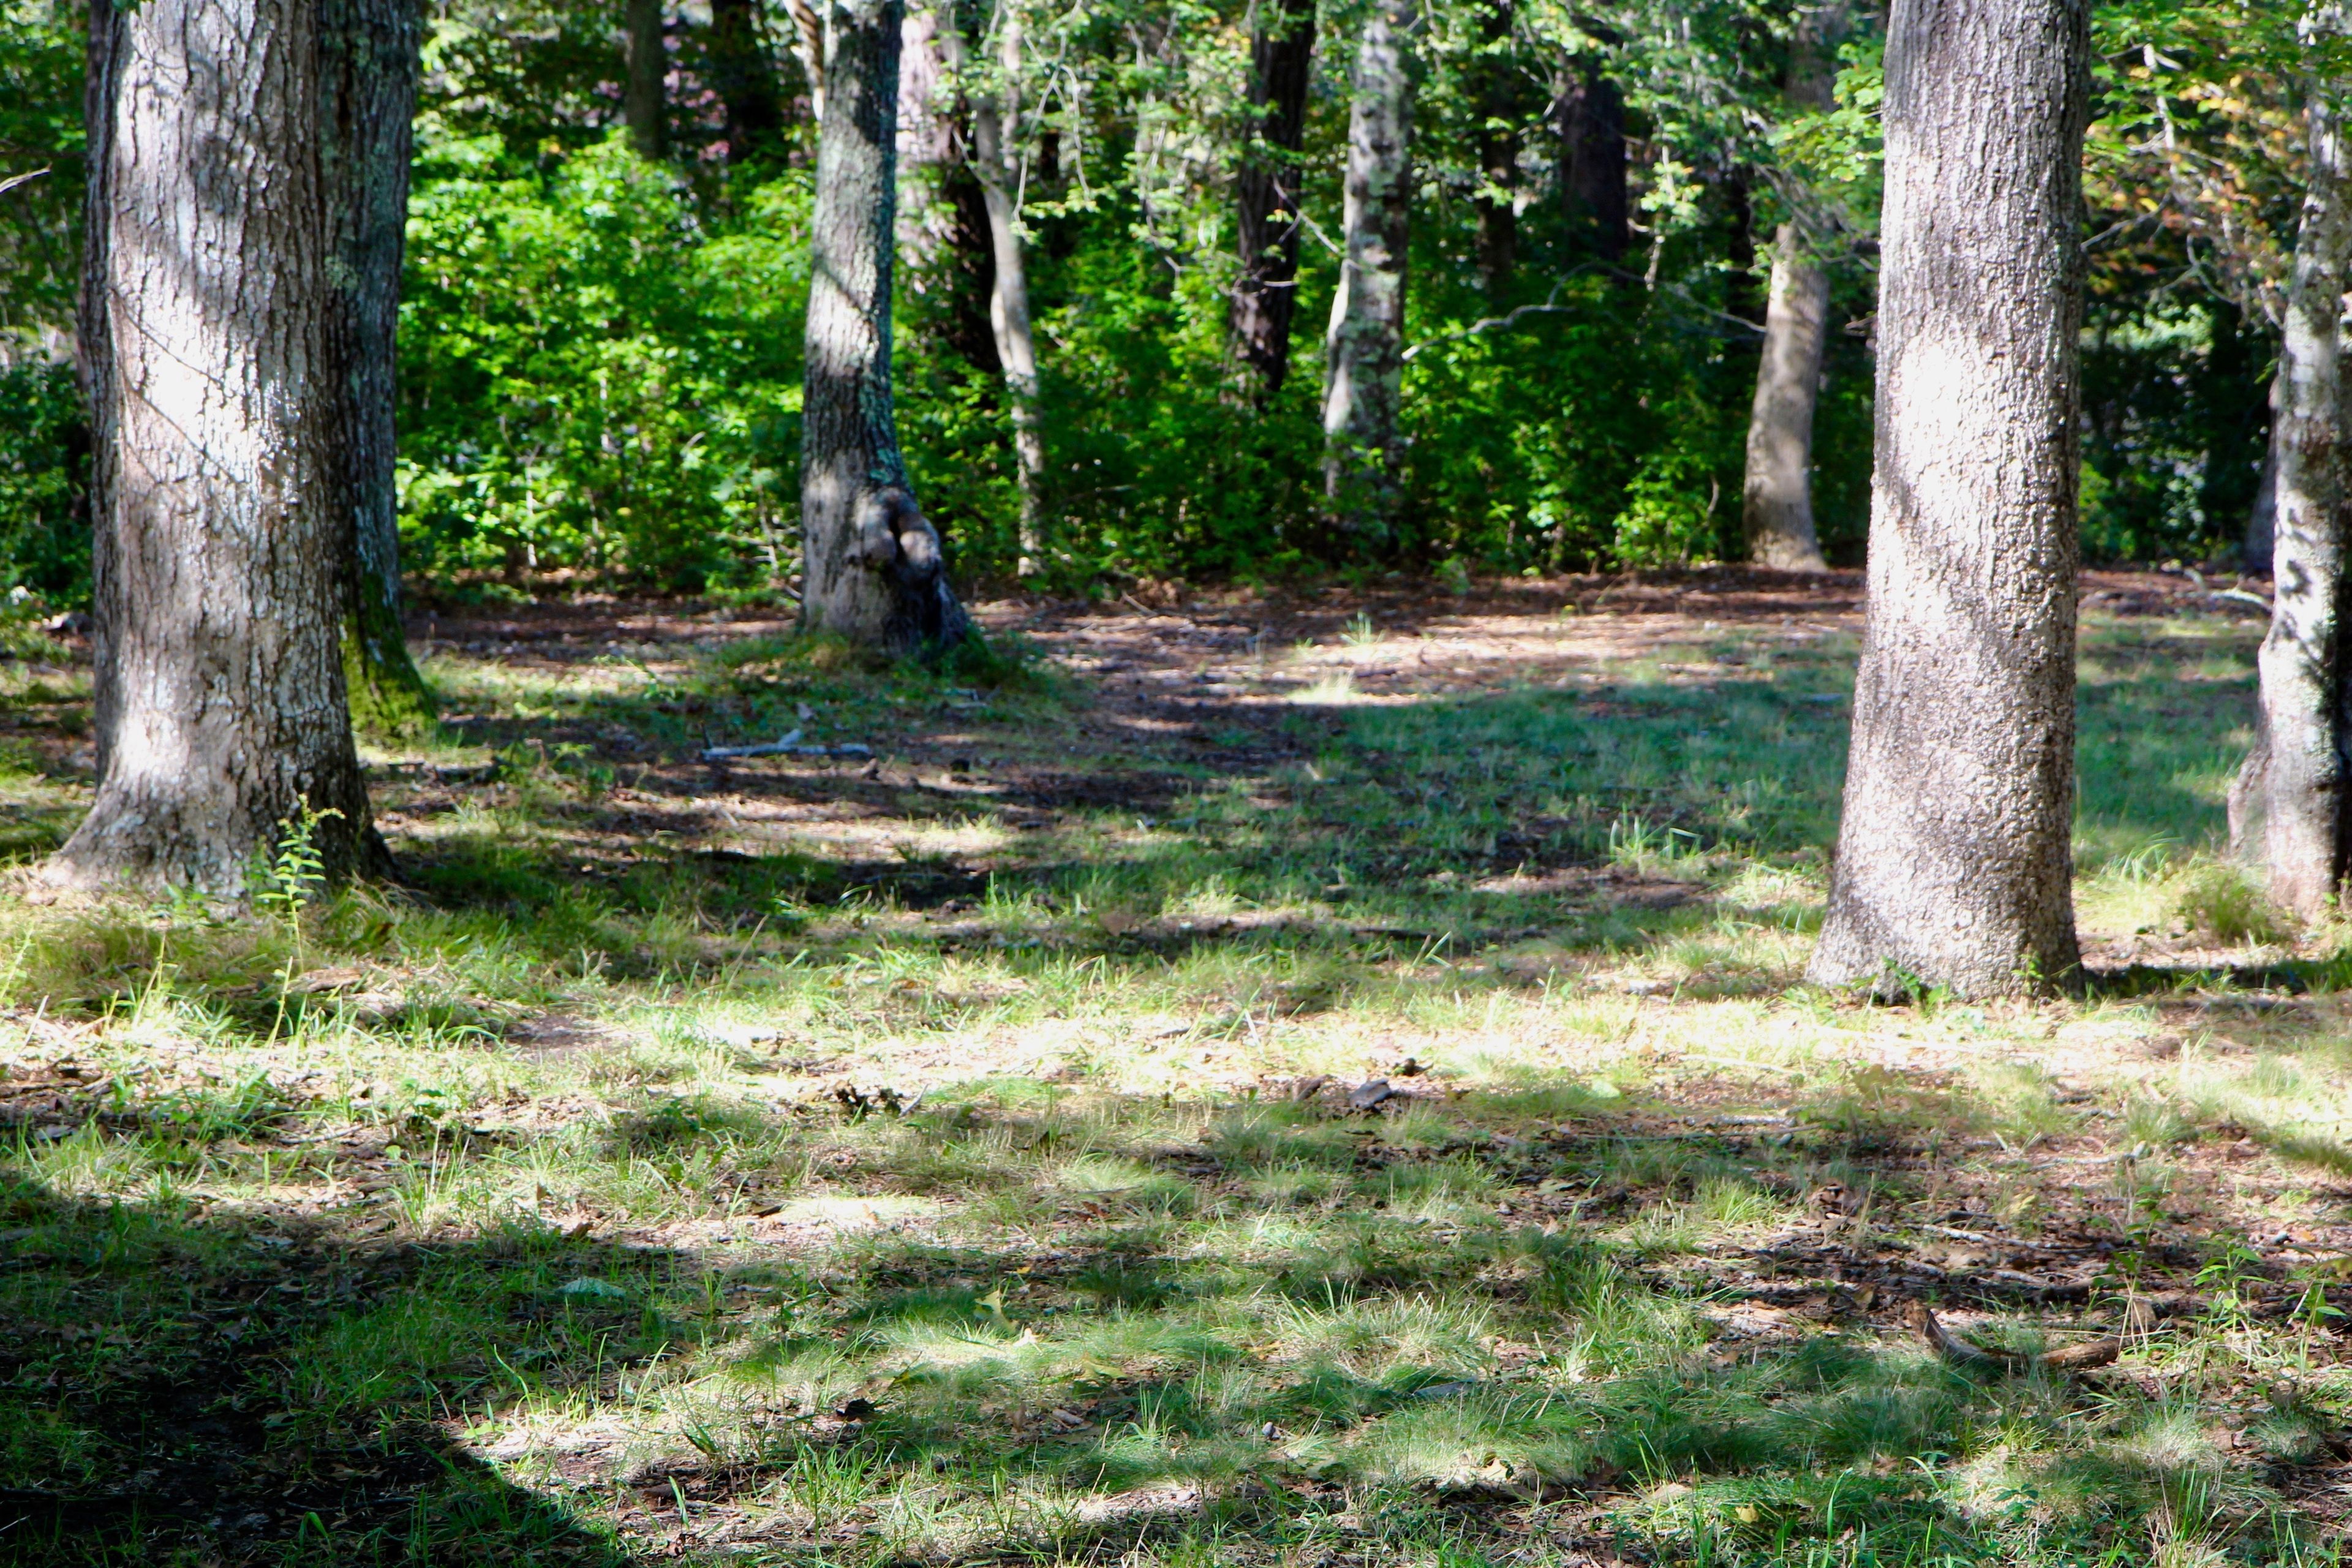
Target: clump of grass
<point>2221,902</point>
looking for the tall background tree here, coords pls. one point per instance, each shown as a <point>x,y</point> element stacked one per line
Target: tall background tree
<point>369,78</point>
<point>1776,504</point>
<point>1954,864</point>
<point>1363,384</point>
<point>222,534</point>
<point>1268,196</point>
<point>873,570</point>
<point>2289,799</point>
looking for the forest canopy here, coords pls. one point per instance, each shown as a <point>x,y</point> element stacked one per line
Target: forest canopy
<point>600,355</point>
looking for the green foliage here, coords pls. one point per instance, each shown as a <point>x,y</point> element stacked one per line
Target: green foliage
<point>596,379</point>
<point>44,468</point>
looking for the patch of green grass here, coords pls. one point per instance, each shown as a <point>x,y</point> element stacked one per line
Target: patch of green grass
<point>957,1161</point>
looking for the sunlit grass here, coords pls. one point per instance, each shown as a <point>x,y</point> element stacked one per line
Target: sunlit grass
<point>937,1180</point>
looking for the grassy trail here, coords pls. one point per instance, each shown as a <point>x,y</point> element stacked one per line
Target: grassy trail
<point>1306,1082</point>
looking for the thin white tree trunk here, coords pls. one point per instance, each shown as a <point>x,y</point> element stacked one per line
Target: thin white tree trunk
<point>1363,366</point>
<point>1954,862</point>
<point>2297,770</point>
<point>995,135</point>
<point>216,411</point>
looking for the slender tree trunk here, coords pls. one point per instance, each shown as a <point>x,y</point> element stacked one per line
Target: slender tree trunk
<point>1778,504</point>
<point>808,47</point>
<point>370,71</point>
<point>2262,517</point>
<point>1268,191</point>
<point>207,329</point>
<point>1954,865</point>
<point>643,102</point>
<point>2299,766</point>
<point>1593,161</point>
<point>1498,150</point>
<point>872,569</point>
<point>745,80</point>
<point>995,130</point>
<point>1364,354</point>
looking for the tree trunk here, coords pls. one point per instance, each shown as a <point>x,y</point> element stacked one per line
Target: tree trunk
<point>1498,151</point>
<point>207,330</point>
<point>643,103</point>
<point>1364,354</point>
<point>995,130</point>
<point>1778,502</point>
<point>1778,505</point>
<point>808,47</point>
<point>1268,191</point>
<point>2299,765</point>
<point>1954,865</point>
<point>1593,161</point>
<point>371,72</point>
<point>745,81</point>
<point>2262,517</point>
<point>872,569</point>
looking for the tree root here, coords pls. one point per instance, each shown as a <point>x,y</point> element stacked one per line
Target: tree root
<point>1975,1358</point>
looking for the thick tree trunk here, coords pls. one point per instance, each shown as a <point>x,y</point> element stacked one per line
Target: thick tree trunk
<point>1779,503</point>
<point>1268,191</point>
<point>2299,766</point>
<point>995,130</point>
<point>744,77</point>
<point>872,569</point>
<point>1954,865</point>
<point>370,71</point>
<point>1364,354</point>
<point>207,336</point>
<point>1593,161</point>
<point>1498,150</point>
<point>644,102</point>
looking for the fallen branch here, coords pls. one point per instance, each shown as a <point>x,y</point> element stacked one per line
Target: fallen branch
<point>790,746</point>
<point>1975,1358</point>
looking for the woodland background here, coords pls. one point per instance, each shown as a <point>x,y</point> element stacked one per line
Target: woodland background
<point>600,354</point>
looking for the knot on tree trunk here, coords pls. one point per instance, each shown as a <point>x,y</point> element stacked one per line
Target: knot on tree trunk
<point>893,537</point>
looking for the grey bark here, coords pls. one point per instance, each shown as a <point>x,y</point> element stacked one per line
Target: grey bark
<point>1593,160</point>
<point>872,568</point>
<point>1364,352</point>
<point>1268,191</point>
<point>370,73</point>
<point>1954,864</point>
<point>1778,506</point>
<point>2294,779</point>
<point>644,104</point>
<point>207,341</point>
<point>996,100</point>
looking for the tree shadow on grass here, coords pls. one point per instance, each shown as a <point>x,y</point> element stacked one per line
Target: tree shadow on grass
<point>211,1387</point>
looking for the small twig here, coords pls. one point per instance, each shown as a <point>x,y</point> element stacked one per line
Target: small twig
<point>13,181</point>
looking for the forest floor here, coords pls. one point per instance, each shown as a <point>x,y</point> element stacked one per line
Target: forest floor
<point>1319,1080</point>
